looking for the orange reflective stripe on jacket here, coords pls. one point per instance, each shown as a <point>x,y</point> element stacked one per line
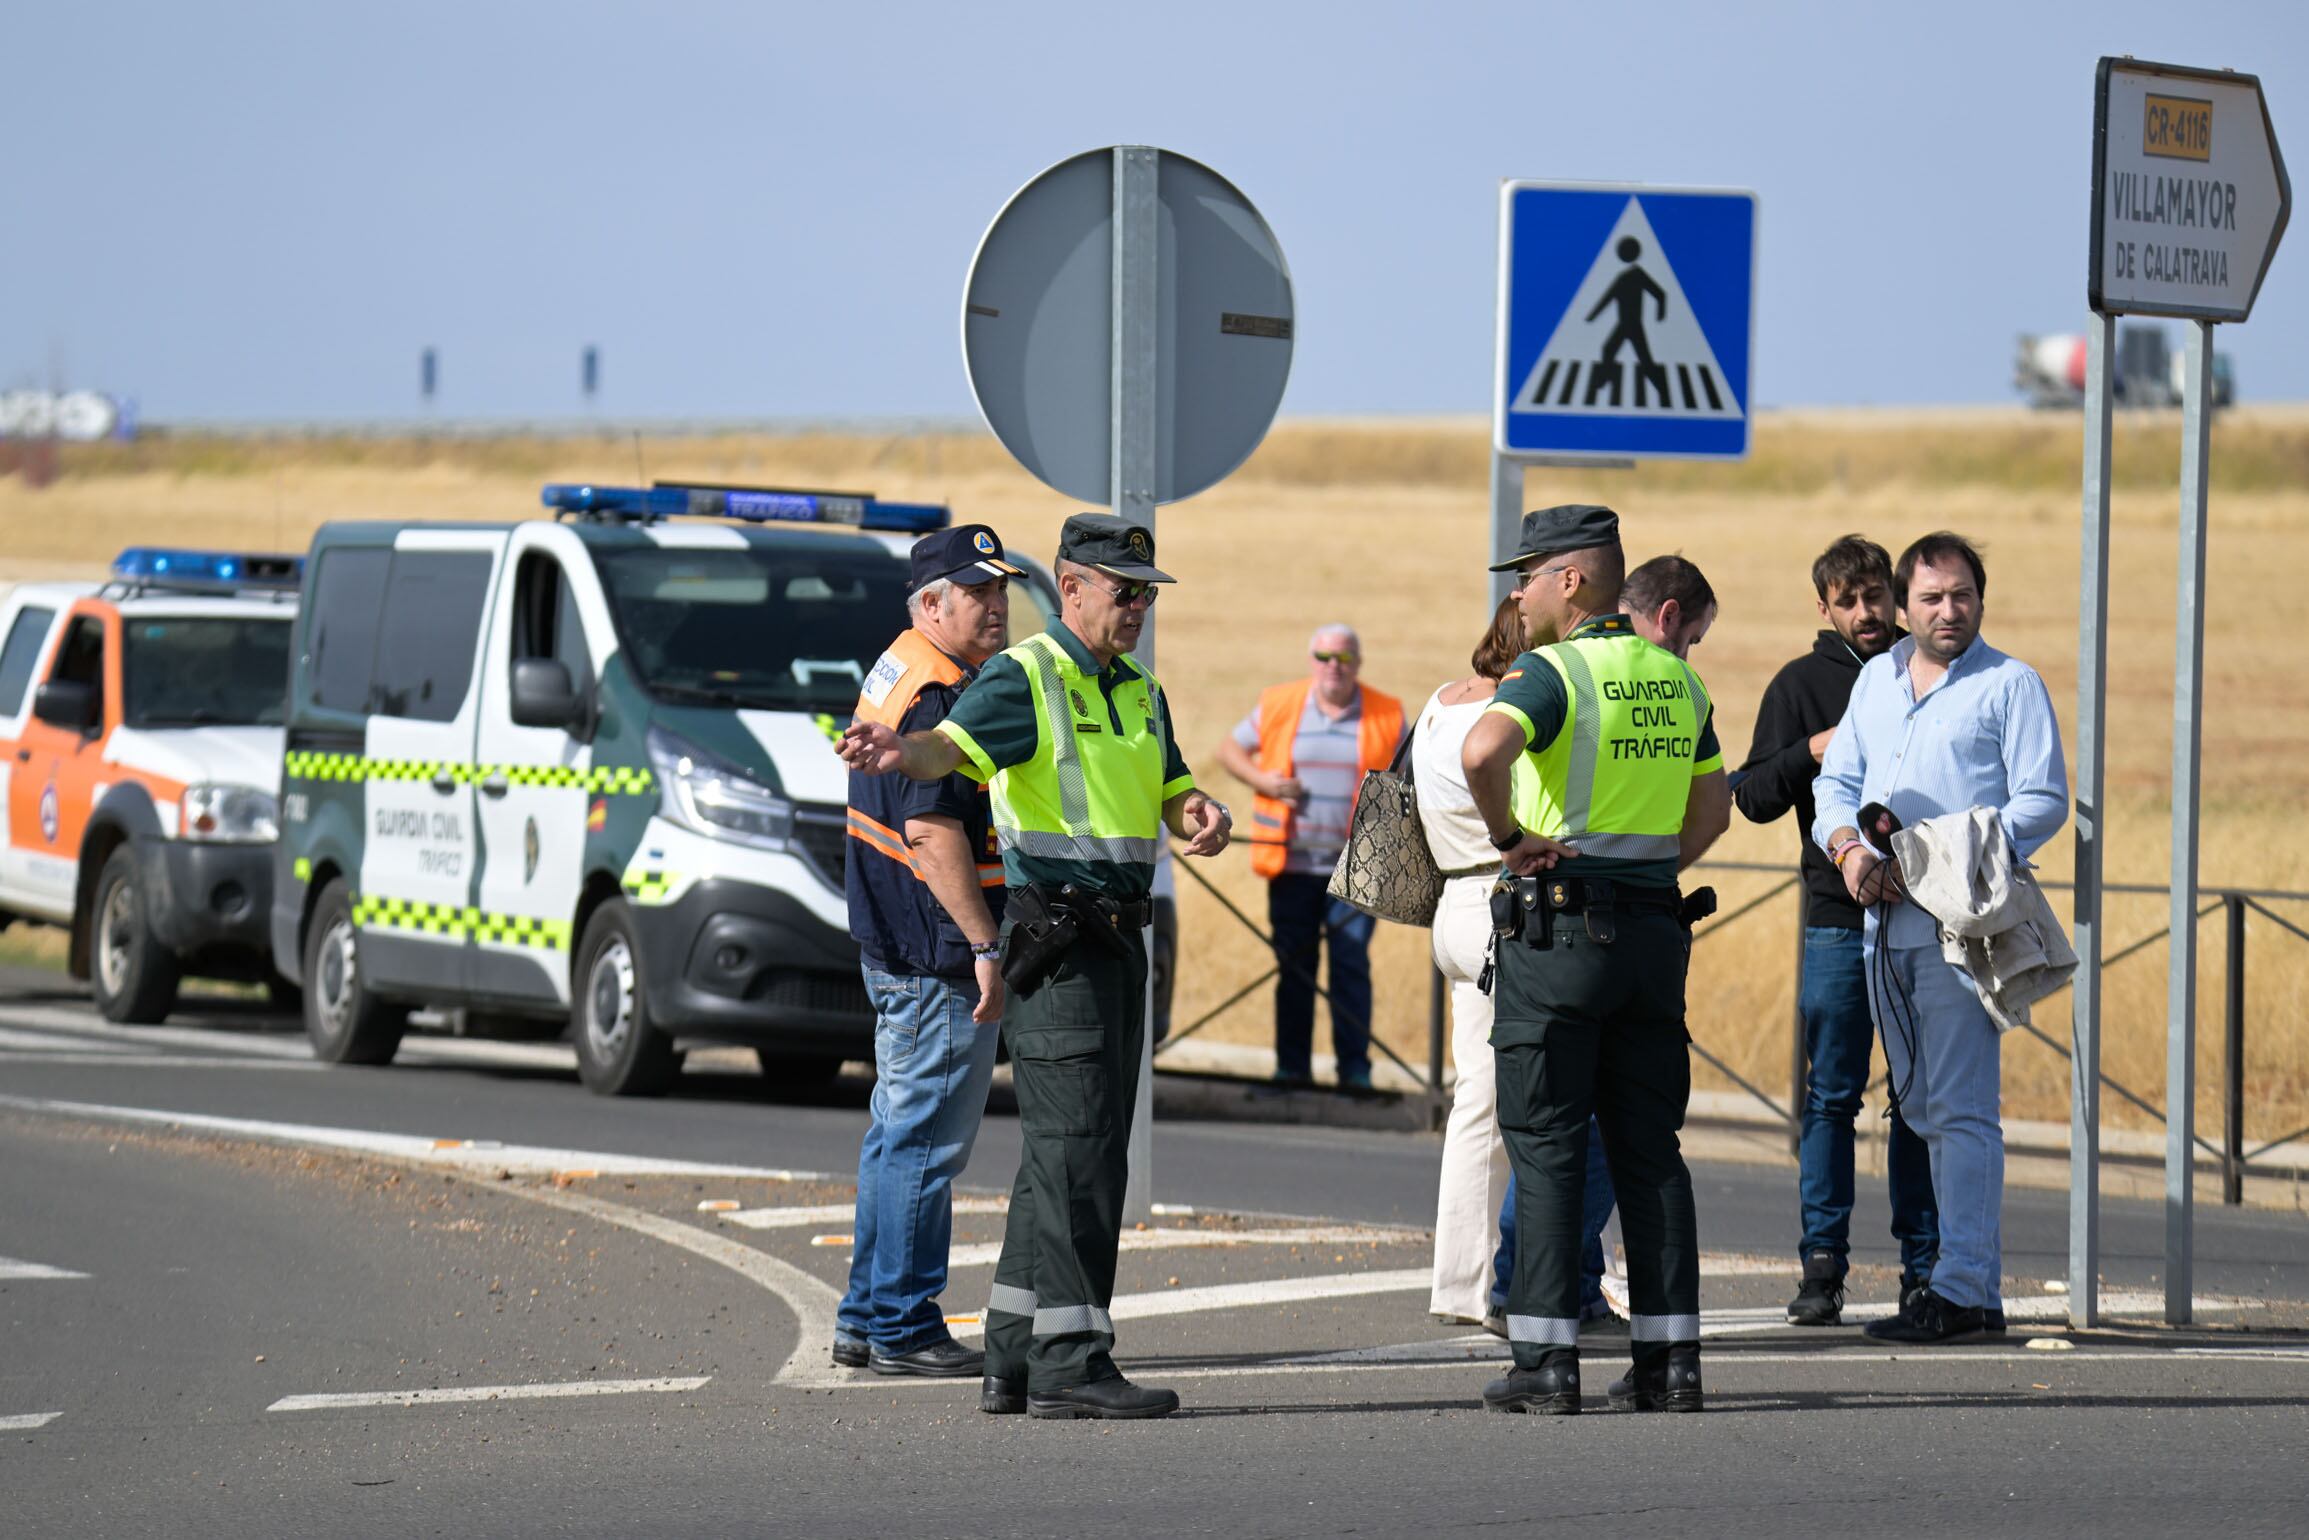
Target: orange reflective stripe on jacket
<point>910,663</point>
<point>1280,707</point>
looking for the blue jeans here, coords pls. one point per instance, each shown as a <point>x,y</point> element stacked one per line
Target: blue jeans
<point>1948,1067</point>
<point>1305,917</point>
<point>932,1067</point>
<point>1839,1034</point>
<point>1594,1213</point>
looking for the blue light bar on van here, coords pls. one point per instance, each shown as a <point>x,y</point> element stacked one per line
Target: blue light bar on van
<point>754,505</point>
<point>155,566</point>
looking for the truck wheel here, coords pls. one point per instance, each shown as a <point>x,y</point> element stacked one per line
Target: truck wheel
<point>346,1023</point>
<point>620,1051</point>
<point>134,976</point>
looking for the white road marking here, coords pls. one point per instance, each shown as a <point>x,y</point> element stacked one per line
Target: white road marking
<point>52,1042</point>
<point>339,1399</point>
<point>27,1422</point>
<point>160,1060</point>
<point>11,1270</point>
<point>1271,1291</point>
<point>461,1154</point>
<point>92,1028</point>
<point>834,1213</point>
<point>987,1253</point>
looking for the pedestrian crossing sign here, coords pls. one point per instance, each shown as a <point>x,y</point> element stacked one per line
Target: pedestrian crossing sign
<point>1626,321</point>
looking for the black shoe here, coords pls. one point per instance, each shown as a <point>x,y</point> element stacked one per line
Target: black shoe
<point>999,1397</point>
<point>850,1353</point>
<point>947,1360</point>
<point>1930,1319</point>
<point>1671,1383</point>
<point>1551,1390</point>
<point>1114,1398</point>
<point>1819,1298</point>
<point>1992,1321</point>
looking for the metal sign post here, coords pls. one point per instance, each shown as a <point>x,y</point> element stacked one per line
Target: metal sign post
<point>1120,375</point>
<point>2190,199</point>
<point>2092,693</point>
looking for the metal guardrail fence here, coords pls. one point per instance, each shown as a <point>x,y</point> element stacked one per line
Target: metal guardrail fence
<point>2235,904</point>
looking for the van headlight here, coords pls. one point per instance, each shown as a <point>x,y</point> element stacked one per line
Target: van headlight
<point>228,815</point>
<point>710,796</point>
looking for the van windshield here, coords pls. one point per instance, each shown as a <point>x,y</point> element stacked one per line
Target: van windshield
<point>777,629</point>
<point>206,671</point>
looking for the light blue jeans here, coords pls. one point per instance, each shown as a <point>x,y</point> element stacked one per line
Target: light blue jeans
<point>1947,1063</point>
<point>932,1067</point>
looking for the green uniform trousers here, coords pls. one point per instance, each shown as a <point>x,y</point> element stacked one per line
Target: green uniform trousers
<point>1578,1028</point>
<point>1075,1044</point>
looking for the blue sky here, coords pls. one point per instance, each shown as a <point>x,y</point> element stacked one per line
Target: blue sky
<point>259,211</point>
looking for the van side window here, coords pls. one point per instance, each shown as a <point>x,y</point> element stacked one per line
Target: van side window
<point>432,619</point>
<point>19,654</point>
<point>81,659</point>
<point>545,620</point>
<point>348,598</point>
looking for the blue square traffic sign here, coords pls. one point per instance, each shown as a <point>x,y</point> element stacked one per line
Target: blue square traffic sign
<point>1626,321</point>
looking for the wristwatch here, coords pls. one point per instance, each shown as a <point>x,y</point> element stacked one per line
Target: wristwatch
<point>985,949</point>
<point>1508,841</point>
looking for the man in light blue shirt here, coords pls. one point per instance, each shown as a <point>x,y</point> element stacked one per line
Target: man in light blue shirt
<point>1940,723</point>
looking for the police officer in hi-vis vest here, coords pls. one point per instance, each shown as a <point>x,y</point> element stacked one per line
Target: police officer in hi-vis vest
<point>1074,740</point>
<point>1597,773</point>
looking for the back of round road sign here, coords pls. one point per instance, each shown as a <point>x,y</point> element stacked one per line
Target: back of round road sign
<point>1039,322</point>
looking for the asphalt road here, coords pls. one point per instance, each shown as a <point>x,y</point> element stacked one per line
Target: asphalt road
<point>239,1292</point>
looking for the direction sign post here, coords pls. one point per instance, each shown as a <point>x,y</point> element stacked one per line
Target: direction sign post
<point>1117,376</point>
<point>2190,198</point>
<point>1626,331</point>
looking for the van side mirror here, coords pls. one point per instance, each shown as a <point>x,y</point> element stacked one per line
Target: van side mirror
<point>68,704</point>
<point>543,695</point>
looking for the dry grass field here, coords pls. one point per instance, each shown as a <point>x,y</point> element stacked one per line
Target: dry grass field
<point>1383,524</point>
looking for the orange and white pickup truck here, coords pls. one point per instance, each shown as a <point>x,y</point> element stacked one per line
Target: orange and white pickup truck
<point>140,762</point>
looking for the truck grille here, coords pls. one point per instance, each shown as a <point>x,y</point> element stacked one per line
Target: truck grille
<point>822,834</point>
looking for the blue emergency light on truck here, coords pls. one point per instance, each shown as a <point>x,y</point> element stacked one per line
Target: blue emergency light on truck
<point>754,505</point>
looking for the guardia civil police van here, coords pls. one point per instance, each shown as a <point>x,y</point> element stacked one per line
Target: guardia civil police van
<point>140,749</point>
<point>580,771</point>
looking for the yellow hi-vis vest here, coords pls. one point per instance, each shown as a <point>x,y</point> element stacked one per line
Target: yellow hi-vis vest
<point>1089,793</point>
<point>1615,779</point>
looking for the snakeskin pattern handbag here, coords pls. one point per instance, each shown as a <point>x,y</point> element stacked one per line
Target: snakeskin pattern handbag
<point>1387,869</point>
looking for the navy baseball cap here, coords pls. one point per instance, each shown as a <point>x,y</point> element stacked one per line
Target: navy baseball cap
<point>1113,545</point>
<point>967,553</point>
<point>1564,528</point>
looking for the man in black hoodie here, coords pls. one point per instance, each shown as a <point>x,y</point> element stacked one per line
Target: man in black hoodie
<point>1797,717</point>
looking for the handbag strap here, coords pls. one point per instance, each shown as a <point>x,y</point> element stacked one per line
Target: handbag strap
<point>1403,749</point>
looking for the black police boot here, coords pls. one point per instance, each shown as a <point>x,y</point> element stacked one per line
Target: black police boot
<point>946,1360</point>
<point>850,1353</point>
<point>1661,1382</point>
<point>1000,1397</point>
<point>1926,1318</point>
<point>1819,1298</point>
<point>1551,1390</point>
<point>1110,1398</point>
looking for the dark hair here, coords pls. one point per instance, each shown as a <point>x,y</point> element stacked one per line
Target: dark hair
<point>1503,643</point>
<point>1663,578</point>
<point>1934,550</point>
<point>1850,563</point>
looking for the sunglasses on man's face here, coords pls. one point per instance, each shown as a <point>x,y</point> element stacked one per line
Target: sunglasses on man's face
<point>1128,595</point>
<point>1337,657</point>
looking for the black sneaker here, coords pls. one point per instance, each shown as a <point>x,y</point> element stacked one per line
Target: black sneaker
<point>946,1360</point>
<point>1551,1390</point>
<point>1819,1298</point>
<point>1991,1316</point>
<point>850,1353</point>
<point>1671,1383</point>
<point>1107,1399</point>
<point>1928,1319</point>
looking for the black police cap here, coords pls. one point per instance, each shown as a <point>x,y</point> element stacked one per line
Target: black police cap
<point>1113,545</point>
<point>969,553</point>
<point>1567,527</point>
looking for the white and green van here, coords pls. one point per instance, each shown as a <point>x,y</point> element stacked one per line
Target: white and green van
<point>578,771</point>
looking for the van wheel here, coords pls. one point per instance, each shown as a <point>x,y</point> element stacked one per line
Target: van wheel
<point>346,1023</point>
<point>134,977</point>
<point>620,1051</point>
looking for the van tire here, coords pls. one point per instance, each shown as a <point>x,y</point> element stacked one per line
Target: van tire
<point>132,976</point>
<point>620,1051</point>
<point>344,1021</point>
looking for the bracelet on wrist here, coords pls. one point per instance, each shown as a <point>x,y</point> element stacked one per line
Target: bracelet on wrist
<point>1837,853</point>
<point>985,948</point>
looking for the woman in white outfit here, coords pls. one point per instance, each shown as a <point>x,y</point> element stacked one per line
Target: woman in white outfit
<point>1474,1159</point>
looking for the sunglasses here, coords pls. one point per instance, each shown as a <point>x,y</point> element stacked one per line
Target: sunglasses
<point>1337,657</point>
<point>1529,578</point>
<point>1128,595</point>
